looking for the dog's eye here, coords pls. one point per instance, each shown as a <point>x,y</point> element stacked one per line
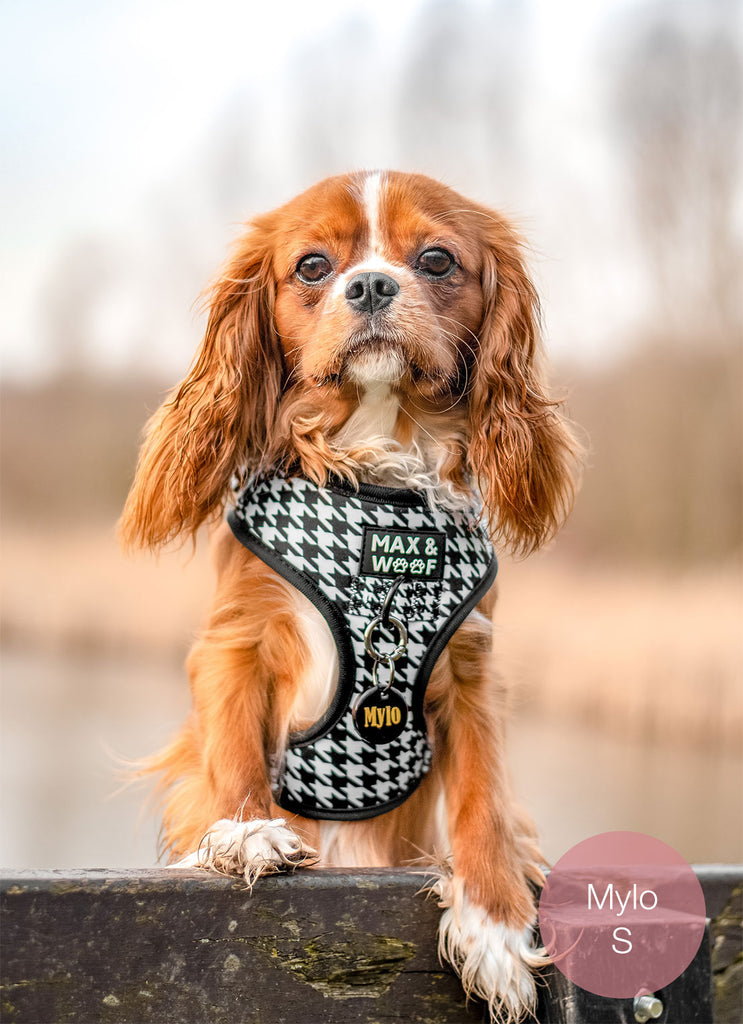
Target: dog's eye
<point>313,268</point>
<point>435,263</point>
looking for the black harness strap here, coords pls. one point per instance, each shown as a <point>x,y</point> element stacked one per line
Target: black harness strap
<point>359,555</point>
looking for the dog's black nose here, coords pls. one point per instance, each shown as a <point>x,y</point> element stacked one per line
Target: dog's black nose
<point>370,292</point>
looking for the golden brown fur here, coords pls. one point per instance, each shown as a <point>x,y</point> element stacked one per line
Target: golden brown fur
<point>280,384</point>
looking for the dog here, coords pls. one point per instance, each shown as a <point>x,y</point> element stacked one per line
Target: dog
<point>369,403</point>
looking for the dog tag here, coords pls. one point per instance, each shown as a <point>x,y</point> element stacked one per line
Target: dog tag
<point>380,715</point>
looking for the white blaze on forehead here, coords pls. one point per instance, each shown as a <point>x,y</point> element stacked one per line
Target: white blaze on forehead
<point>371,200</point>
<point>371,195</point>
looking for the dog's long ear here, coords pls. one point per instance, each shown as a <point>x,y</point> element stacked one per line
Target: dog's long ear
<point>520,449</point>
<point>218,420</point>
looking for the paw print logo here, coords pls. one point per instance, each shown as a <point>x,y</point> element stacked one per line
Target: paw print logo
<point>417,566</point>
<point>400,565</point>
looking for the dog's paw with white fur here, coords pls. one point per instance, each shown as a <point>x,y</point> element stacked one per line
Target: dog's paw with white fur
<point>249,849</point>
<point>495,962</point>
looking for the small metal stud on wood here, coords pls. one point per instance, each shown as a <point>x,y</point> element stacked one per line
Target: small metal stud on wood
<point>647,1007</point>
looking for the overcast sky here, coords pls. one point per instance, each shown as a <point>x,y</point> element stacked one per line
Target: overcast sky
<point>108,111</point>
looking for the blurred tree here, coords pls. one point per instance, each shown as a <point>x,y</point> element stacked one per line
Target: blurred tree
<point>338,100</point>
<point>235,168</point>
<point>70,303</point>
<point>665,480</point>
<point>462,89</point>
<point>679,113</point>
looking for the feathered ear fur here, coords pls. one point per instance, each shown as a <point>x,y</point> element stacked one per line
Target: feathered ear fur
<point>219,418</point>
<point>520,449</point>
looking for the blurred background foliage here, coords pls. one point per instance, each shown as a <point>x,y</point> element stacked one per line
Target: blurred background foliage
<point>611,132</point>
<point>659,401</point>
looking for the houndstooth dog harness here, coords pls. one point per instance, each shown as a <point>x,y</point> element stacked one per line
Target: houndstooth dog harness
<point>393,579</point>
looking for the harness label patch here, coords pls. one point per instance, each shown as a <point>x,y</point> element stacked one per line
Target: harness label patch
<point>403,553</point>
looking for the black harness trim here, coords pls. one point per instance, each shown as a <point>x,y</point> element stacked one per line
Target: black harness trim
<point>321,540</point>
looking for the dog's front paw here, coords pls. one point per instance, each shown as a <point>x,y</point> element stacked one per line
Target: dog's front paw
<point>249,849</point>
<point>494,961</point>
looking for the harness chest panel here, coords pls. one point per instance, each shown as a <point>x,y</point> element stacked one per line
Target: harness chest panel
<point>344,549</point>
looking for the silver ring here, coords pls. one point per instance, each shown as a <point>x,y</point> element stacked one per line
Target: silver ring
<point>384,687</point>
<point>402,640</point>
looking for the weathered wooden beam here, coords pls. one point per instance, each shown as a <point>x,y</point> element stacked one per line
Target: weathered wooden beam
<point>318,947</point>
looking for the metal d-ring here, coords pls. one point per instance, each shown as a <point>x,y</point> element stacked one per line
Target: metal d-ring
<point>402,639</point>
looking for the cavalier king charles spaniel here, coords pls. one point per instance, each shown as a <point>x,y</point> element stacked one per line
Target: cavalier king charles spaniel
<point>368,402</point>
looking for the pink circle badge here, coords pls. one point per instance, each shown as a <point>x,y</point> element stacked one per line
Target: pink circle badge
<point>622,914</point>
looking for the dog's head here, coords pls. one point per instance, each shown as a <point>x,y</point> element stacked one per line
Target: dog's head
<point>378,280</point>
<point>367,281</point>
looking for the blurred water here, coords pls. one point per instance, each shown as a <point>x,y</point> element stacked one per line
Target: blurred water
<point>66,719</point>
